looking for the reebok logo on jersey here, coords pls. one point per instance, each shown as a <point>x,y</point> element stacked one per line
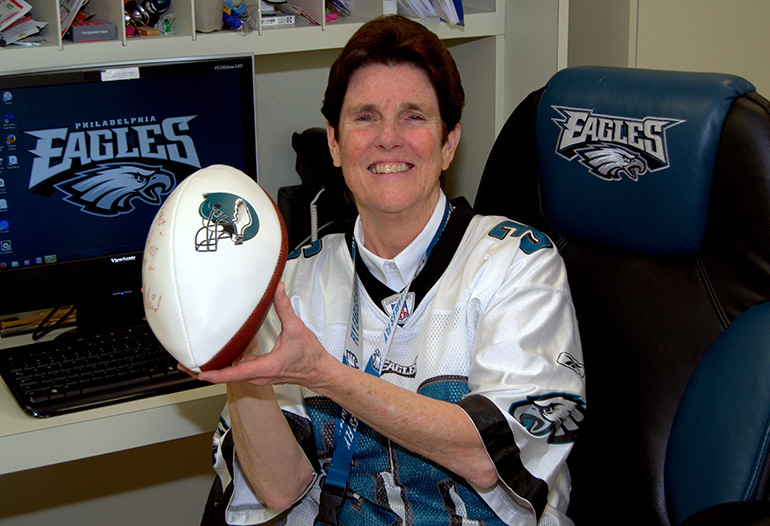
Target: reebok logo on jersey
<point>611,146</point>
<point>569,361</point>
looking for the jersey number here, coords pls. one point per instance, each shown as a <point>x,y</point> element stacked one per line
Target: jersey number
<point>307,251</point>
<point>531,240</point>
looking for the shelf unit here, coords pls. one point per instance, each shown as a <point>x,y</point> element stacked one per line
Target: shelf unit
<point>505,49</point>
<point>185,40</point>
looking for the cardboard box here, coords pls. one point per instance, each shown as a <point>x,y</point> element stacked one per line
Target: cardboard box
<point>147,31</point>
<point>91,30</point>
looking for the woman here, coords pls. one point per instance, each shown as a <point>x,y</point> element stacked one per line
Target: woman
<point>414,368</point>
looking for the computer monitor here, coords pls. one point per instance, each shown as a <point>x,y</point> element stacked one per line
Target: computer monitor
<point>87,156</point>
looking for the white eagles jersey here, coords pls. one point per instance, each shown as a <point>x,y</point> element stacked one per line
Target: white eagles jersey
<point>489,325</point>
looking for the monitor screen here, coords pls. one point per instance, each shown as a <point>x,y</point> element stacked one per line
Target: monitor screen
<point>87,156</point>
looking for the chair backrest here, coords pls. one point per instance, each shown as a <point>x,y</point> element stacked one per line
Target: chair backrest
<point>655,186</point>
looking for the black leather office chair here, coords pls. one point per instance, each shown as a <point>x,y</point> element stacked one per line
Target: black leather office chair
<point>656,188</point>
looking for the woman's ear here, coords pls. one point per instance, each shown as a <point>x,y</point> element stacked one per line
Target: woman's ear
<point>449,147</point>
<point>334,147</point>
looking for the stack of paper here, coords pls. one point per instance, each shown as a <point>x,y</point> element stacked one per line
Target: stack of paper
<point>15,23</point>
<point>22,28</point>
<point>448,10</point>
<point>11,11</point>
<point>68,9</point>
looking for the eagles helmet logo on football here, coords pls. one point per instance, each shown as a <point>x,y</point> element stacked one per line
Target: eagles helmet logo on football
<point>225,216</point>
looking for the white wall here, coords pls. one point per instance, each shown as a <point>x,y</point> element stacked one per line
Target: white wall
<point>728,36</point>
<point>599,32</point>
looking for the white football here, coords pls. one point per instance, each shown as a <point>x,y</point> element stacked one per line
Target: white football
<point>213,258</point>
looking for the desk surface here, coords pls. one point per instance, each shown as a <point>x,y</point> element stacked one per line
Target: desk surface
<point>29,442</point>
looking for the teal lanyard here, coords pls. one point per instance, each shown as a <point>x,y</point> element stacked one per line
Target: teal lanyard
<point>347,426</point>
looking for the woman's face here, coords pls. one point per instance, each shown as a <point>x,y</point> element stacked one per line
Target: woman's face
<point>389,145</point>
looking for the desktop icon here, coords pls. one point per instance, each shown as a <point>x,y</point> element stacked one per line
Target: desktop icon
<point>10,117</point>
<point>5,225</point>
<point>7,96</point>
<point>10,139</point>
<point>3,204</point>
<point>5,246</point>
<point>50,259</point>
<point>3,265</point>
<point>14,264</point>
<point>2,183</point>
<point>38,260</point>
<point>13,160</point>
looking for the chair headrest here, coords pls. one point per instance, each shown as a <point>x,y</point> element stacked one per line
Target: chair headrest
<point>626,155</point>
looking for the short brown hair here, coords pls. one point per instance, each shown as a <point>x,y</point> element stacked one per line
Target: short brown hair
<point>393,40</point>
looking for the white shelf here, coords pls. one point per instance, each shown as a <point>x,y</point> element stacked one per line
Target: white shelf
<point>483,20</point>
<point>37,442</point>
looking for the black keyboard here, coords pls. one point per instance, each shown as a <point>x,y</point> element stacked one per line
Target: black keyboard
<point>76,372</point>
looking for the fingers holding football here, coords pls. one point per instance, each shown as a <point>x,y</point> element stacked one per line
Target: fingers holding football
<point>248,368</point>
<point>186,370</point>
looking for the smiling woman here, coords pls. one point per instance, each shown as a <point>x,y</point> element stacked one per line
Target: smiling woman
<point>381,388</point>
<point>388,143</point>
